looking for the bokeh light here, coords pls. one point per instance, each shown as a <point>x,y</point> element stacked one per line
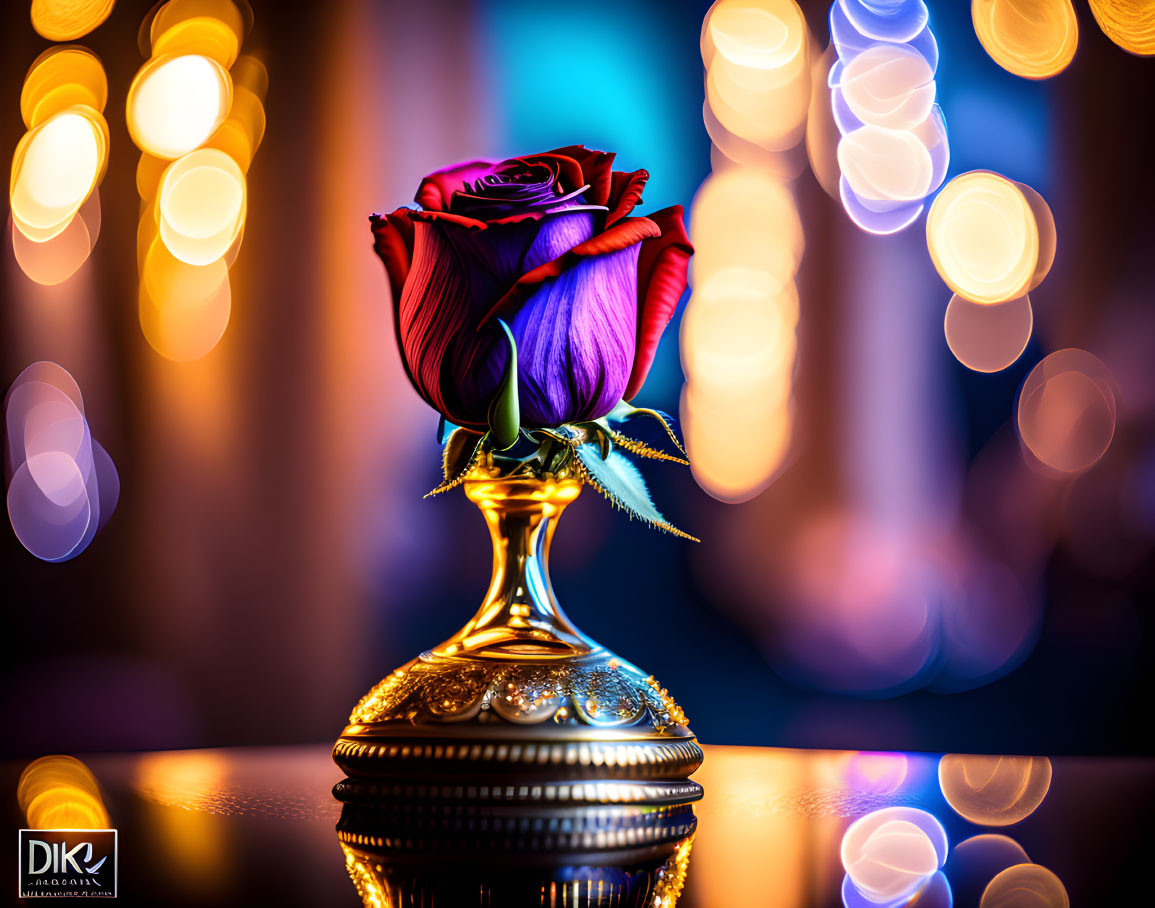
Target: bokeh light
<point>1025,886</point>
<point>55,168</point>
<point>62,485</point>
<point>994,790</point>
<point>848,41</point>
<point>756,54</point>
<point>67,20</point>
<point>738,334</point>
<point>880,218</point>
<point>887,165</point>
<point>183,309</point>
<point>893,150</point>
<point>989,617</point>
<point>198,124</point>
<point>1129,23</point>
<point>744,218</point>
<point>886,20</point>
<point>56,260</point>
<point>890,853</point>
<point>889,85</point>
<point>60,78</point>
<point>876,773</point>
<point>59,162</point>
<point>201,204</point>
<point>1048,234</point>
<point>983,238</point>
<point>213,28</point>
<point>858,609</point>
<point>735,442</point>
<point>1035,39</point>
<point>1067,410</point>
<point>988,338</point>
<point>935,892</point>
<point>240,135</point>
<point>60,792</point>
<point>978,860</point>
<point>176,103</point>
<point>740,331</point>
<point>822,132</point>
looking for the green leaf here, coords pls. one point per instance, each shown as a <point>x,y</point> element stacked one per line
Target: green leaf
<point>619,481</point>
<point>505,410</point>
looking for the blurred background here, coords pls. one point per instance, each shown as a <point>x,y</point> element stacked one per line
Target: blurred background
<point>902,573</point>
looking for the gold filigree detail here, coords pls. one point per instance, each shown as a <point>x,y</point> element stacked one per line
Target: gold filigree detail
<point>671,709</point>
<point>360,870</point>
<point>606,693</point>
<point>672,876</point>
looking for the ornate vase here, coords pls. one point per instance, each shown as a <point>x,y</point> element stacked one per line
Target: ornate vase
<point>518,707</point>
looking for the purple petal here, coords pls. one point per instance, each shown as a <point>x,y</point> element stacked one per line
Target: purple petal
<point>575,340</point>
<point>558,234</point>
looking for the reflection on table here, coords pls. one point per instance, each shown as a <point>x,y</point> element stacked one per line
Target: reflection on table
<point>777,828</point>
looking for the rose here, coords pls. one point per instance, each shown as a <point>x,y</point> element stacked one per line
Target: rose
<point>546,244</point>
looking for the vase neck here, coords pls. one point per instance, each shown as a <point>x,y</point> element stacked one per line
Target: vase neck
<point>520,616</point>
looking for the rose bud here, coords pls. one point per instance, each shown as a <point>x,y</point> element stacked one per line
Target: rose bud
<point>546,244</point>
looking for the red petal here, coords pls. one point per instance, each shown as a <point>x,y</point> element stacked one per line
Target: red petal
<point>596,167</point>
<point>437,189</point>
<point>625,193</point>
<point>662,266</point>
<point>621,235</point>
<point>445,217</point>
<point>393,242</point>
<point>569,171</point>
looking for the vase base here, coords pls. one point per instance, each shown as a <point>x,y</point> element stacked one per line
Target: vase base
<point>591,729</point>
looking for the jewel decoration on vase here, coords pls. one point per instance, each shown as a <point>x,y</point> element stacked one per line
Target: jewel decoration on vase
<point>528,304</point>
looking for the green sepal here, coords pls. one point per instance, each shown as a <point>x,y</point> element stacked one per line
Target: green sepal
<point>641,449</point>
<point>621,482</point>
<point>623,412</point>
<point>505,410</point>
<point>599,432</point>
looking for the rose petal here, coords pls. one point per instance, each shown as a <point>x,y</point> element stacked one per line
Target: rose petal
<point>393,243</point>
<point>453,367</point>
<point>620,236</point>
<point>447,217</point>
<point>437,189</point>
<point>575,339</point>
<point>569,171</point>
<point>558,235</point>
<point>625,194</point>
<point>662,267</point>
<point>596,167</point>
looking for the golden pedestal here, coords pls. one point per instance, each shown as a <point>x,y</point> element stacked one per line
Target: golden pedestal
<point>519,706</point>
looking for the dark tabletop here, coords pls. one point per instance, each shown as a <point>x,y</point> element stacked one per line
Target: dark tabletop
<point>257,826</point>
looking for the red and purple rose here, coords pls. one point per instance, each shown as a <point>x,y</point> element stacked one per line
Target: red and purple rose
<point>547,244</point>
